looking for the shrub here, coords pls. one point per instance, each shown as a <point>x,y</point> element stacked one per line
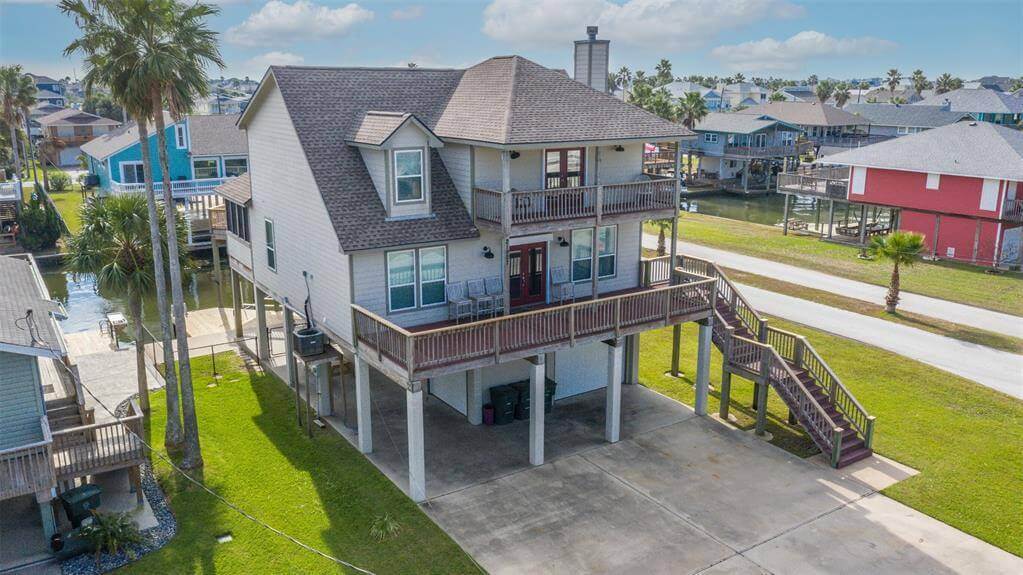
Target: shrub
<point>40,226</point>
<point>384,527</point>
<point>60,182</point>
<point>111,532</point>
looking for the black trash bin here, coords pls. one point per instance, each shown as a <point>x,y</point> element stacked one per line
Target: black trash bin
<point>503,399</point>
<point>522,405</point>
<point>79,502</point>
<point>550,386</point>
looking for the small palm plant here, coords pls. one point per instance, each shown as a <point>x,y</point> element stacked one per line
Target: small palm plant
<point>900,248</point>
<point>111,532</point>
<point>384,527</point>
<point>662,225</point>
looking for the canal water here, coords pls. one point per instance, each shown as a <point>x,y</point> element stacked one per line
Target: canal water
<point>87,307</point>
<point>766,209</point>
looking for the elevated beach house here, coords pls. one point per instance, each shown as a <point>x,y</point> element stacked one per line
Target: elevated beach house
<point>901,119</point>
<point>73,128</point>
<point>959,185</point>
<point>985,104</point>
<point>823,124</point>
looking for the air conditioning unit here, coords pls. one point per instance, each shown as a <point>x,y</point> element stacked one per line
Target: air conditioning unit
<point>308,341</point>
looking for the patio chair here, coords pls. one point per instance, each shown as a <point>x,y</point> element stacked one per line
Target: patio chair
<point>485,304</point>
<point>459,306</point>
<point>562,285</point>
<point>495,288</point>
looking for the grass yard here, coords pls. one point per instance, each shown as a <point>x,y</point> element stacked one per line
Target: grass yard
<point>68,202</point>
<point>320,490</point>
<point>964,438</point>
<point>946,280</point>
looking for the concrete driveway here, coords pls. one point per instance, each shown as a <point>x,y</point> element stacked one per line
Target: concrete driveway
<point>696,496</point>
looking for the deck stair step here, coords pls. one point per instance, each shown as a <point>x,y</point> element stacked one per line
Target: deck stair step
<point>65,422</point>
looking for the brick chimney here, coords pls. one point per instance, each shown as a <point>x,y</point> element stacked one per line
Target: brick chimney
<point>591,60</point>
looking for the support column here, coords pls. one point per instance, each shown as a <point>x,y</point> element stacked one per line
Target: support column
<point>537,371</point>
<point>613,403</point>
<point>863,224</point>
<point>216,267</point>
<point>363,405</point>
<point>236,303</point>
<point>416,443</point>
<point>937,230</point>
<point>322,375</point>
<point>45,501</point>
<point>831,217</point>
<point>703,366</point>
<point>632,359</point>
<point>474,396</point>
<point>676,349</point>
<point>289,327</point>
<point>262,337</point>
<point>726,393</point>
<point>785,216</point>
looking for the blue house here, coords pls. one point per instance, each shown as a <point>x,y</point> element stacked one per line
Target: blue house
<point>48,90</point>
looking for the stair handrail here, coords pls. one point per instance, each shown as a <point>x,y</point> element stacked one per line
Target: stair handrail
<point>840,395</point>
<point>726,291</point>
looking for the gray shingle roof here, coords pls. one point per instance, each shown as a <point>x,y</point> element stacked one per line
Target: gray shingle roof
<point>506,100</point>
<point>916,116</point>
<point>238,190</point>
<point>215,135</point>
<point>977,101</point>
<point>21,292</point>
<point>102,146</point>
<point>374,127</point>
<point>978,149</point>
<point>72,117</point>
<point>734,123</point>
<point>806,114</point>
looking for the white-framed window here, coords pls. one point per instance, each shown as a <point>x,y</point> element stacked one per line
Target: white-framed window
<point>235,167</point>
<point>205,168</point>
<point>271,244</point>
<point>401,280</point>
<point>582,253</point>
<point>903,130</point>
<point>179,136</point>
<point>408,176</point>
<point>787,138</point>
<point>132,173</point>
<point>710,138</point>
<point>989,194</point>
<point>433,275</point>
<point>933,181</point>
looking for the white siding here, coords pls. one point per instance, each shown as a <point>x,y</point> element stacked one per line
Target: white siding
<point>580,369</point>
<point>240,254</point>
<point>627,264</point>
<point>283,188</point>
<point>375,161</point>
<point>619,167</point>
<point>456,160</point>
<point>21,403</point>
<point>450,389</point>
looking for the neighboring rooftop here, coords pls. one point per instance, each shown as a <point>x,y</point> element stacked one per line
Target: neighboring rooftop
<point>977,101</point>
<point>977,149</point>
<point>916,116</point>
<point>215,135</point>
<point>736,123</point>
<point>26,324</point>
<point>104,145</point>
<point>680,89</point>
<point>40,79</point>
<point>806,114</point>
<point>507,100</point>
<point>238,190</point>
<point>72,117</point>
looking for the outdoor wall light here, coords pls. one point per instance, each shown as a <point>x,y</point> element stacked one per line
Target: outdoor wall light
<point>487,253</point>
<point>619,148</point>
<point>562,241</point>
<point>515,155</point>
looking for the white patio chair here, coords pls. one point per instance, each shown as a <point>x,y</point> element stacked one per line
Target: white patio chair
<point>495,289</point>
<point>486,304</point>
<point>459,306</point>
<point>562,285</point>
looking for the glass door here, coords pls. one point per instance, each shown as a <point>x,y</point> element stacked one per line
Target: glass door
<point>527,274</point>
<point>564,168</point>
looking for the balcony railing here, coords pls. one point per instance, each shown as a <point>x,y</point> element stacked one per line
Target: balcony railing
<point>1013,210</point>
<point>420,354</point>
<point>179,188</point>
<point>218,218</point>
<point>793,149</point>
<point>9,191</point>
<point>28,468</point>
<point>539,207</point>
<point>826,182</point>
<point>100,447</point>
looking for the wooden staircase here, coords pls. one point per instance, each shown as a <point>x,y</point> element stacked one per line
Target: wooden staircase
<point>787,363</point>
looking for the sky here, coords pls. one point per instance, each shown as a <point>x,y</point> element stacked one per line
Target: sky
<point>787,38</point>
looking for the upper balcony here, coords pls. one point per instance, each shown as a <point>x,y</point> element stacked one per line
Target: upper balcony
<point>179,188</point>
<point>535,211</point>
<point>785,150</point>
<point>830,182</point>
<point>1013,210</point>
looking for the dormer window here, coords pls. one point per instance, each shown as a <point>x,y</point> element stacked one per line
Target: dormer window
<point>408,176</point>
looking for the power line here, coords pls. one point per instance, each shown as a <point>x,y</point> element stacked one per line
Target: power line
<point>203,486</point>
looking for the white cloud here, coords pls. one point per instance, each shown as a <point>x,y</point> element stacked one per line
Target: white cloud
<point>665,24</point>
<point>408,13</point>
<point>792,53</point>
<point>279,23</point>
<point>273,58</point>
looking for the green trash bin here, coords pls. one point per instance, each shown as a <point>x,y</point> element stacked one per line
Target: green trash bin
<point>79,502</point>
<point>550,386</point>
<point>503,399</point>
<point>522,405</point>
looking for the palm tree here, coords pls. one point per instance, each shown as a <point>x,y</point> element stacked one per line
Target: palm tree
<point>663,70</point>
<point>739,78</point>
<point>662,226</point>
<point>113,62</point>
<point>114,245</point>
<point>862,88</point>
<point>777,97</point>
<point>824,90</point>
<point>842,94</point>
<point>49,147</point>
<point>900,248</point>
<point>1016,85</point>
<point>946,83</point>
<point>15,88</point>
<point>920,82</point>
<point>691,109</point>
<point>811,80</point>
<point>894,77</point>
<point>624,79</point>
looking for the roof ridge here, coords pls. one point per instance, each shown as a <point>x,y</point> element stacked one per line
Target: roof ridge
<point>509,109</point>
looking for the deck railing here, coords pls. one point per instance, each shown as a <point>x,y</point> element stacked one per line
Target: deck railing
<point>28,468</point>
<point>827,182</point>
<point>218,217</point>
<point>179,188</point>
<point>527,333</point>
<point>542,206</point>
<point>1013,210</point>
<point>793,149</point>
<point>99,447</point>
<point>9,191</point>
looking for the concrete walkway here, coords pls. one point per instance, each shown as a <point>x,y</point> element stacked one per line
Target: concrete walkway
<point>999,370</point>
<point>938,308</point>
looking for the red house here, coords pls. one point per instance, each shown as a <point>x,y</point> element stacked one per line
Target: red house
<point>960,185</point>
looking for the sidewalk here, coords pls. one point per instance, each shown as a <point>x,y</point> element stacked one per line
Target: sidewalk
<point>1002,323</point>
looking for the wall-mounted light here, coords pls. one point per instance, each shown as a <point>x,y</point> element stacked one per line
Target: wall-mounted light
<point>562,242</point>
<point>487,253</point>
<point>619,148</point>
<point>515,155</point>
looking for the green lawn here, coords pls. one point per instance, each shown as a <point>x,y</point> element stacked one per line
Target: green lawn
<point>320,490</point>
<point>68,202</point>
<point>946,280</point>
<point>966,440</point>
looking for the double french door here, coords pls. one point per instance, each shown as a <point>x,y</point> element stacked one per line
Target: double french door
<point>527,274</point>
<point>564,168</point>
